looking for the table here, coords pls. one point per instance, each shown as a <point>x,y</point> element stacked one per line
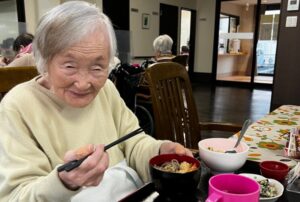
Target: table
<point>267,136</point>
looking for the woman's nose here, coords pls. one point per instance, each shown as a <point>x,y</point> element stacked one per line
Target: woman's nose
<point>82,81</point>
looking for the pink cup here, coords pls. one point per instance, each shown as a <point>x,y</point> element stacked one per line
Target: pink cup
<point>232,188</point>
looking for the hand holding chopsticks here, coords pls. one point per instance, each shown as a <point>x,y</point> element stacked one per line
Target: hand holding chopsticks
<point>75,163</point>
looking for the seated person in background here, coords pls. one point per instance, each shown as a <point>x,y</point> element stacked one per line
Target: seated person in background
<point>184,50</point>
<point>23,44</point>
<point>25,60</point>
<point>72,105</point>
<point>163,48</point>
<point>23,48</point>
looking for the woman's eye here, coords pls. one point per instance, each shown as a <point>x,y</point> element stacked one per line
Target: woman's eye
<point>69,67</point>
<point>96,68</point>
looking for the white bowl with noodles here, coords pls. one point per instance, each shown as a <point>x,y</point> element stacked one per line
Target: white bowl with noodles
<point>175,184</point>
<point>272,184</point>
<point>212,153</point>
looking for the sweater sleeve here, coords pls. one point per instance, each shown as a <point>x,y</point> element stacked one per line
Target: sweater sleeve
<point>139,149</point>
<point>25,171</point>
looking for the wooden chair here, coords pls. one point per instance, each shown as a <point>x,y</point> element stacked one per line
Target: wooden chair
<point>174,108</point>
<point>11,76</point>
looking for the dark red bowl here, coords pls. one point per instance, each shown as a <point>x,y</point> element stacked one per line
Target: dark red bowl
<point>174,184</point>
<point>274,169</point>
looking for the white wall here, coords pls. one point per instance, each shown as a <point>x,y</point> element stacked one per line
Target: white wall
<point>141,39</point>
<point>204,36</point>
<point>35,9</point>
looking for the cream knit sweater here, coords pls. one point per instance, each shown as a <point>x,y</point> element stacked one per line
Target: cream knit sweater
<point>36,129</point>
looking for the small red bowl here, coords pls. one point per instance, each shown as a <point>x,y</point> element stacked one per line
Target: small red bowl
<point>274,169</point>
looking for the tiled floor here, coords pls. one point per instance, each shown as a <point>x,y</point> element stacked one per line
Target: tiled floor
<point>230,104</point>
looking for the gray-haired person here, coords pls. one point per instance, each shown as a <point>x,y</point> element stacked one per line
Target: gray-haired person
<point>162,46</point>
<point>69,111</point>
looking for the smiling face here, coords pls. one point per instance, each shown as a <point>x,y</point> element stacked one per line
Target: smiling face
<point>77,73</point>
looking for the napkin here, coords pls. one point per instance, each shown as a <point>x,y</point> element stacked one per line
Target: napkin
<point>118,181</point>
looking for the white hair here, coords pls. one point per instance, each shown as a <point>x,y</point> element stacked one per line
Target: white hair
<point>163,44</point>
<point>65,25</point>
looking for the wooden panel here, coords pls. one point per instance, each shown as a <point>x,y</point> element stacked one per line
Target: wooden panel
<point>286,89</point>
<point>11,76</point>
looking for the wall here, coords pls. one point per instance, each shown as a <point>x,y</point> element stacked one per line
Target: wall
<point>286,88</point>
<point>35,9</point>
<point>229,65</point>
<point>204,36</point>
<point>141,40</point>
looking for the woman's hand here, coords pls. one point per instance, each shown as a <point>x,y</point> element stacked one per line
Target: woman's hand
<point>90,172</point>
<point>175,148</point>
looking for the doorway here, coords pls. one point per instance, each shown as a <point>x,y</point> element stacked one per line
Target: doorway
<point>168,23</point>
<point>240,59</point>
<point>267,43</point>
<point>187,36</point>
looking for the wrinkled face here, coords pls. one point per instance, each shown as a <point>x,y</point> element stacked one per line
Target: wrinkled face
<point>77,73</point>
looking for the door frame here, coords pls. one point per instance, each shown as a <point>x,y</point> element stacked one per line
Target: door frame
<point>250,84</point>
<point>191,57</point>
<point>166,27</point>
<point>192,36</point>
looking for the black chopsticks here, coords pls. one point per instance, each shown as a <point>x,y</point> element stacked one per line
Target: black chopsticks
<point>75,163</point>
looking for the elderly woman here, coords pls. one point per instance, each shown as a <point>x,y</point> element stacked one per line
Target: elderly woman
<point>162,46</point>
<point>72,105</point>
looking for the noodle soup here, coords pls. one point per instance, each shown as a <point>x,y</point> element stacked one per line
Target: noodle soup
<point>174,166</point>
<point>171,180</point>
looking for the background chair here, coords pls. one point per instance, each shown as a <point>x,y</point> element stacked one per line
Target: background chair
<point>11,76</point>
<point>174,108</point>
<point>181,59</point>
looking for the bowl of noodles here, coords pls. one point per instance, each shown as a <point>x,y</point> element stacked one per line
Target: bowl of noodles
<point>175,175</point>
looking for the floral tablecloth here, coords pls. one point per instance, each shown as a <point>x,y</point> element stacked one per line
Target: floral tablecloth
<point>267,137</point>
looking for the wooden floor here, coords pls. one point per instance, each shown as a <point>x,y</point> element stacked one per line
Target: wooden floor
<point>230,104</point>
<point>247,79</point>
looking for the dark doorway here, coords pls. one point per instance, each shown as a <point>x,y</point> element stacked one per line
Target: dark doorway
<point>192,42</point>
<point>119,15</point>
<point>169,23</point>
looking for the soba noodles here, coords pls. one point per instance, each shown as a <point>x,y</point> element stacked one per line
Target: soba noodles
<point>175,167</point>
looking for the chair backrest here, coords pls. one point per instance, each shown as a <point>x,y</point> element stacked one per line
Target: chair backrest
<point>181,59</point>
<point>174,108</point>
<point>11,76</point>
